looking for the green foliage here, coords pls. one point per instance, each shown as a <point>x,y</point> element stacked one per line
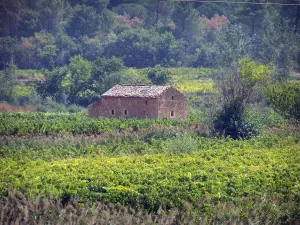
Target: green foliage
<point>175,33</point>
<point>132,9</point>
<point>85,21</point>
<point>187,20</point>
<point>38,51</point>
<point>8,82</point>
<point>231,121</point>
<point>144,48</point>
<point>81,81</point>
<point>285,98</point>
<point>190,73</point>
<point>229,172</point>
<point>8,47</point>
<point>158,75</point>
<point>277,46</point>
<point>23,123</point>
<point>232,43</point>
<point>237,91</point>
<point>75,82</point>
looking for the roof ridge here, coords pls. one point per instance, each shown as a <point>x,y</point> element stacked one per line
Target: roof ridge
<point>135,90</point>
<point>142,85</point>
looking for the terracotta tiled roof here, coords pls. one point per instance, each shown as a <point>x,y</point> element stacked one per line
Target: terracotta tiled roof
<point>129,90</point>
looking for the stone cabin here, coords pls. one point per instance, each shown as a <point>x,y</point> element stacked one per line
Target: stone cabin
<point>140,101</point>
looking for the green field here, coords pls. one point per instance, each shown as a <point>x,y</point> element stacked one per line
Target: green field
<point>69,168</point>
<point>149,165</point>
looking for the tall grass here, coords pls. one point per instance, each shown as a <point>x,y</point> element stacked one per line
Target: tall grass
<point>16,209</point>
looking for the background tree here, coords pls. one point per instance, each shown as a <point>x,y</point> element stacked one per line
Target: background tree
<point>158,75</point>
<point>285,99</point>
<point>85,21</point>
<point>232,43</point>
<point>9,17</point>
<point>8,81</point>
<point>144,48</point>
<point>237,87</point>
<point>8,49</point>
<point>75,82</point>
<point>277,45</point>
<point>158,11</point>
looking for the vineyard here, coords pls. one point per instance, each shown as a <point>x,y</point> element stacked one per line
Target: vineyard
<point>147,164</point>
<point>45,123</point>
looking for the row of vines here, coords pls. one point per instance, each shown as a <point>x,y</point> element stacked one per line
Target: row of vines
<point>159,180</point>
<point>79,123</point>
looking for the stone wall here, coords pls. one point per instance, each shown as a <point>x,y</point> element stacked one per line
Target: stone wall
<point>172,105</point>
<point>130,107</point>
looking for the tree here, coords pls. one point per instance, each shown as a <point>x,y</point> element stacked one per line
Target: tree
<point>285,99</point>
<point>107,21</point>
<point>158,75</point>
<point>211,9</point>
<point>105,74</point>
<point>187,21</point>
<point>8,49</point>
<point>81,81</point>
<point>292,13</point>
<point>75,82</point>
<point>132,10</point>
<point>99,5</point>
<point>52,85</point>
<point>144,48</point>
<point>158,11</point>
<point>9,17</point>
<point>236,93</point>
<point>85,21</point>
<point>8,81</point>
<point>277,45</point>
<point>39,51</point>
<point>232,43</point>
<point>250,15</point>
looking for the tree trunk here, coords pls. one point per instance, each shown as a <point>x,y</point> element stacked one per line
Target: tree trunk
<point>157,12</point>
<point>297,20</point>
<point>252,27</point>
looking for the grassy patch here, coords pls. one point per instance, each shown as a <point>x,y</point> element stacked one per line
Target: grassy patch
<point>196,86</point>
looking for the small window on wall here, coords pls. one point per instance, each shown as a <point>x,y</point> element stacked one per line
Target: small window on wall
<point>125,112</point>
<point>172,97</point>
<point>146,102</point>
<point>172,113</point>
<point>112,112</point>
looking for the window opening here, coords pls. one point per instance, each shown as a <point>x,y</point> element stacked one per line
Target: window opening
<point>172,113</point>
<point>172,97</point>
<point>125,112</point>
<point>146,102</point>
<point>112,112</point>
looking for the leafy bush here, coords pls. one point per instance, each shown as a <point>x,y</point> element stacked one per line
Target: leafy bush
<point>158,75</point>
<point>231,121</point>
<point>285,99</point>
<point>237,91</point>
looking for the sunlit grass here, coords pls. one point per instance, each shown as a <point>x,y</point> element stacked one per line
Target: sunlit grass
<point>203,86</point>
<point>188,73</point>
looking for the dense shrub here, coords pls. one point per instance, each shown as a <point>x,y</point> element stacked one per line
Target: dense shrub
<point>232,121</point>
<point>158,75</point>
<point>285,99</point>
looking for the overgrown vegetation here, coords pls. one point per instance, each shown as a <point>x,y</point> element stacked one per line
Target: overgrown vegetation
<point>285,98</point>
<point>237,91</point>
<point>235,160</point>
